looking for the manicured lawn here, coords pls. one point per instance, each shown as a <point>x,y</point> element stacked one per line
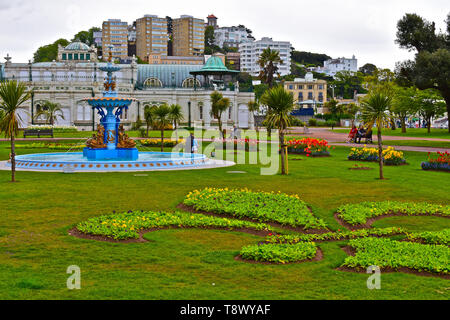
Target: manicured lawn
<point>419,143</point>
<point>38,212</point>
<point>418,133</point>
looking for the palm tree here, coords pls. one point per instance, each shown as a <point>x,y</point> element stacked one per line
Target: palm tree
<point>375,110</point>
<point>161,116</point>
<point>149,118</point>
<point>253,107</point>
<point>51,111</point>
<point>269,61</point>
<point>176,116</point>
<point>12,96</point>
<point>280,104</point>
<point>219,105</point>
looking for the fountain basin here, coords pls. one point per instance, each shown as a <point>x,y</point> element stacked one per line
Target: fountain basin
<point>116,154</point>
<point>146,161</point>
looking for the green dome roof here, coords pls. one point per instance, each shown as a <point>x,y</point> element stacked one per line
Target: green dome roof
<point>214,64</point>
<point>77,46</point>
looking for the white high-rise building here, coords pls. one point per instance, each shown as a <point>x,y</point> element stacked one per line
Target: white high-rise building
<point>251,51</point>
<point>333,66</point>
<point>231,36</point>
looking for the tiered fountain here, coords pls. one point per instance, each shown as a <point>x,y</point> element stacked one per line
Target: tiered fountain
<point>110,149</point>
<point>111,142</point>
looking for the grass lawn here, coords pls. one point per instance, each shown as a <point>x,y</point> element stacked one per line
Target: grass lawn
<point>418,143</point>
<point>38,211</point>
<point>415,133</point>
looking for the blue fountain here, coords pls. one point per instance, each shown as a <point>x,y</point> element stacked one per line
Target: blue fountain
<point>110,142</point>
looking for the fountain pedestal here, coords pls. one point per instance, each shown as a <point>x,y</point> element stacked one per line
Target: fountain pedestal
<point>111,142</point>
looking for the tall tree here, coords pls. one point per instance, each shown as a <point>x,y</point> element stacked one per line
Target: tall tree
<point>12,95</point>
<point>176,116</point>
<point>431,66</point>
<point>219,105</point>
<point>430,105</point>
<point>50,111</point>
<point>347,83</point>
<point>161,116</point>
<point>375,111</point>
<point>404,104</point>
<point>253,108</point>
<point>368,69</point>
<point>149,117</point>
<point>280,104</point>
<point>269,61</point>
<point>49,52</point>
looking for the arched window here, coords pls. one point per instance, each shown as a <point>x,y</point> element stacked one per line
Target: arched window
<point>153,83</point>
<point>189,83</point>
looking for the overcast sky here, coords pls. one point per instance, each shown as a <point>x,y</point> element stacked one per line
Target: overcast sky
<point>365,28</point>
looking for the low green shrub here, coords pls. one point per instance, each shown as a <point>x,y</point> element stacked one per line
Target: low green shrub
<point>334,236</point>
<point>431,237</point>
<point>128,225</point>
<point>261,206</point>
<point>281,253</point>
<point>395,254</point>
<point>357,214</point>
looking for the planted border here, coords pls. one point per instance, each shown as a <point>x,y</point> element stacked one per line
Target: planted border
<point>395,255</point>
<point>281,253</point>
<point>288,210</point>
<point>334,236</point>
<point>130,225</point>
<point>391,157</point>
<point>431,237</point>
<point>359,214</point>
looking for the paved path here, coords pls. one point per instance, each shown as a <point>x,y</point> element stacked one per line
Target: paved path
<point>331,136</point>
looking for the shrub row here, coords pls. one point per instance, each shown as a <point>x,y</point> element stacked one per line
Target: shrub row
<point>280,253</point>
<point>431,237</point>
<point>285,209</point>
<point>334,236</point>
<point>395,254</point>
<point>357,214</point>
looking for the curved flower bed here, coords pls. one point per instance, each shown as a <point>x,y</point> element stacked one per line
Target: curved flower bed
<point>309,146</point>
<point>431,237</point>
<point>391,157</point>
<point>440,163</point>
<point>52,146</point>
<point>129,225</point>
<point>387,253</point>
<point>358,214</point>
<point>281,253</point>
<point>281,208</point>
<point>334,236</point>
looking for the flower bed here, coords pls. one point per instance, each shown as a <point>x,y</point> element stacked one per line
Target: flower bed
<point>387,253</point>
<point>431,237</point>
<point>52,146</point>
<point>156,143</point>
<point>440,163</point>
<point>310,147</point>
<point>241,144</point>
<point>281,253</point>
<point>129,225</point>
<point>334,236</point>
<point>260,206</point>
<point>358,214</point>
<point>391,157</point>
<point>56,129</point>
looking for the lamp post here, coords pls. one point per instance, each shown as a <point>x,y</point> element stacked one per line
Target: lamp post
<point>190,115</point>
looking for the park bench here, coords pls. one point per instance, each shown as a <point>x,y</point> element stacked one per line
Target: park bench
<point>37,132</point>
<point>367,136</point>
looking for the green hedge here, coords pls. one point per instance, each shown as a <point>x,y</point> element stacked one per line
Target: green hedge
<point>281,253</point>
